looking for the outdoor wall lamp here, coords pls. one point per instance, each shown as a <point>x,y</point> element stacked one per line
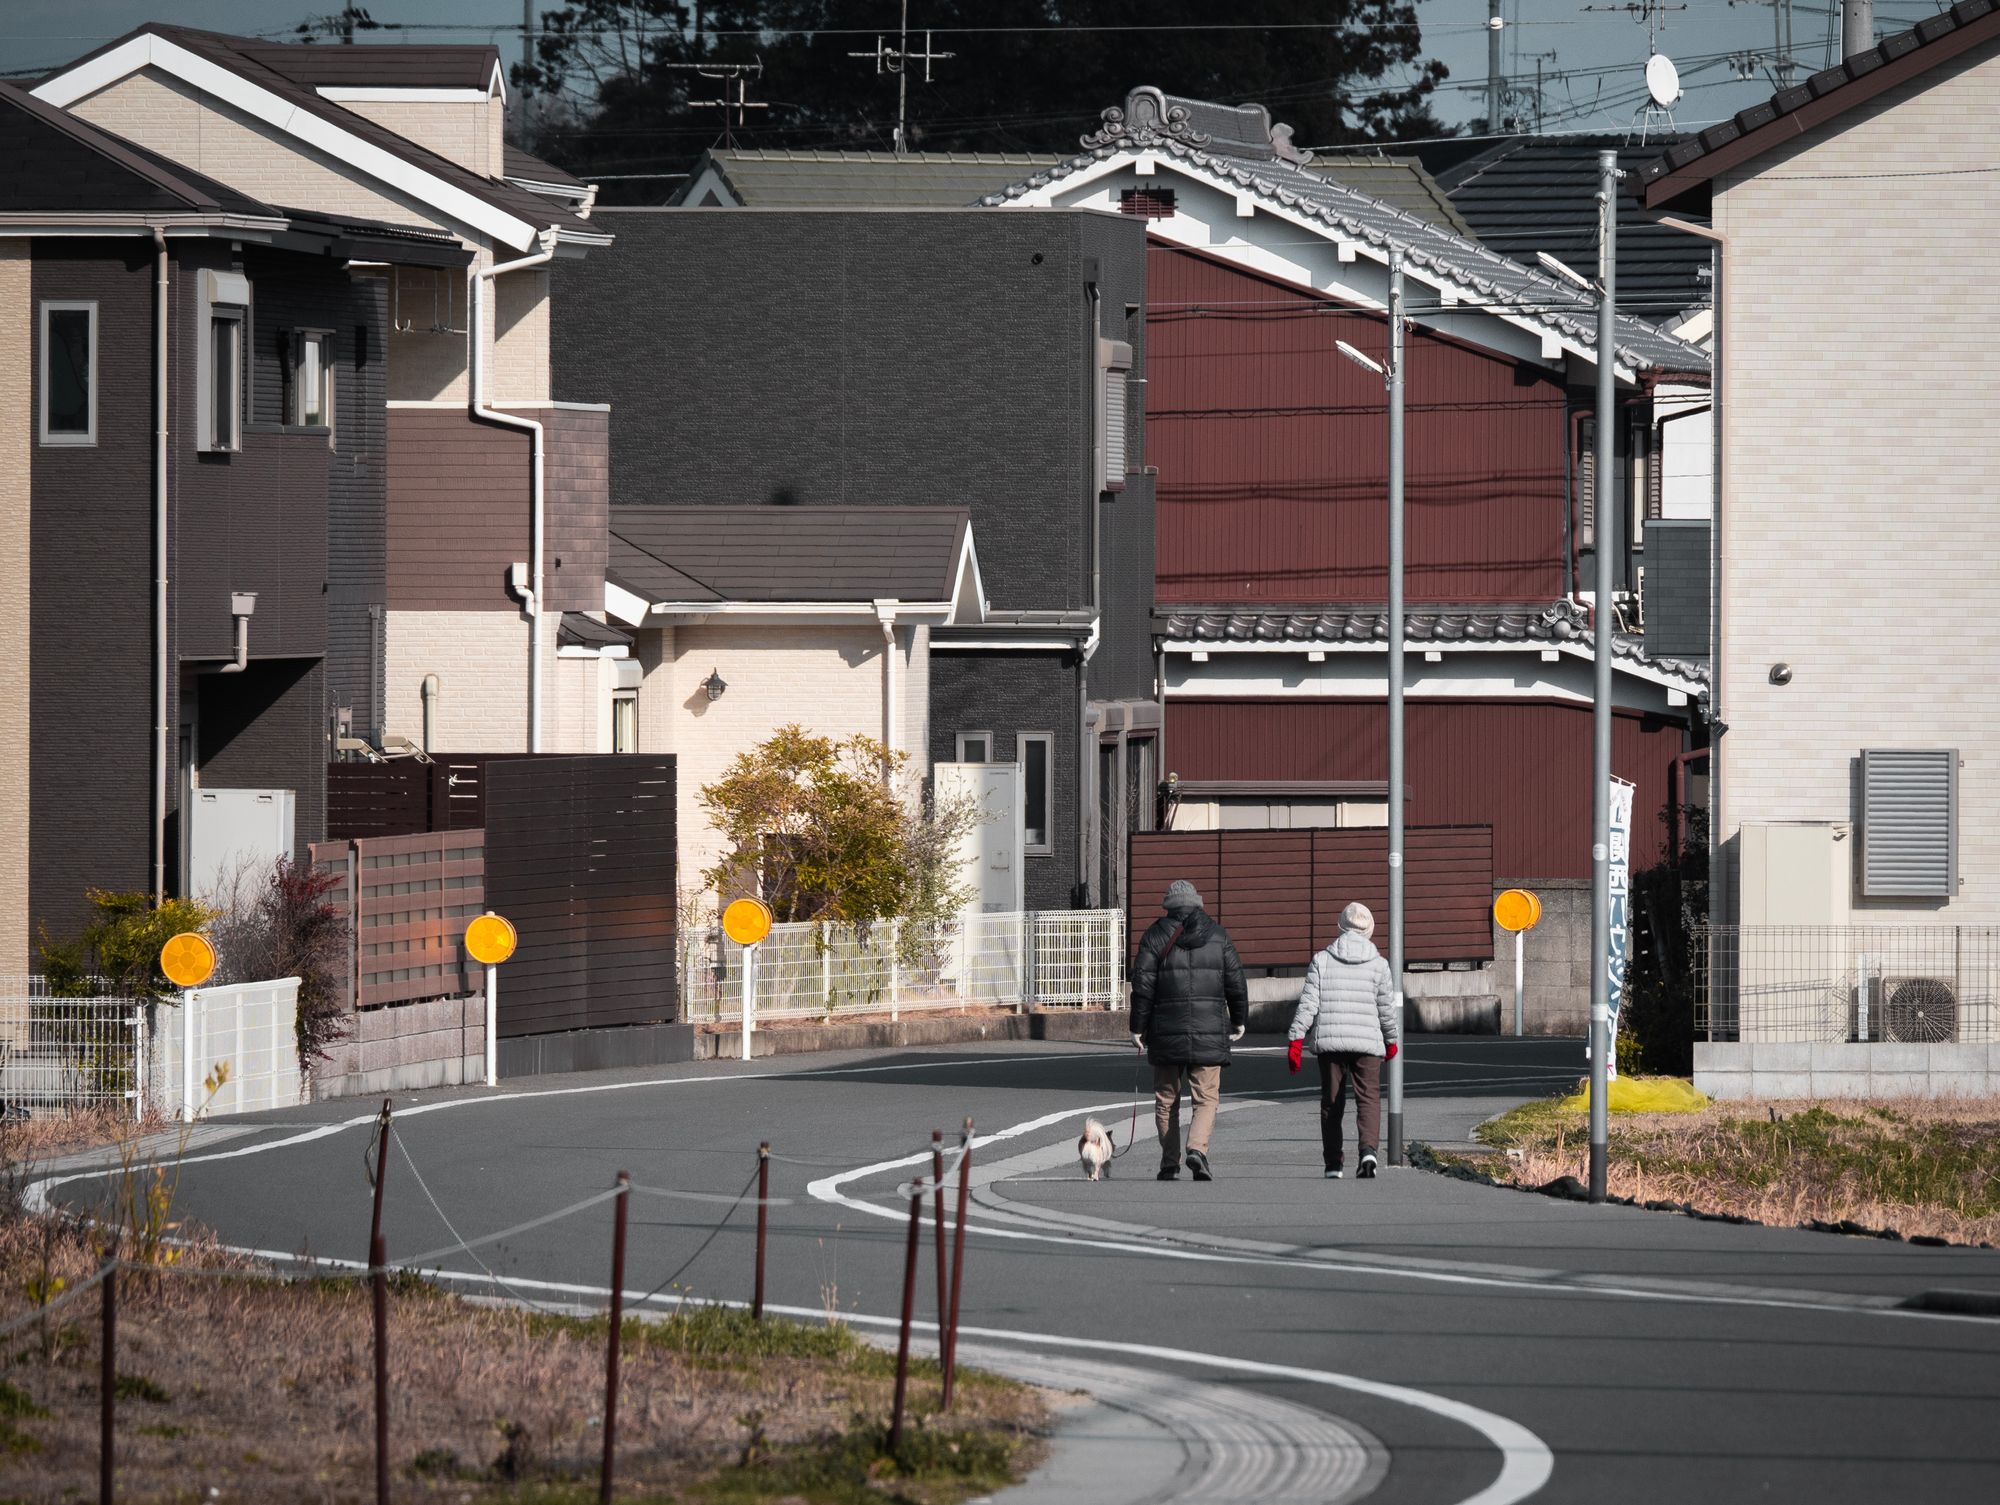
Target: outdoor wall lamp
<point>1781,674</point>
<point>714,684</point>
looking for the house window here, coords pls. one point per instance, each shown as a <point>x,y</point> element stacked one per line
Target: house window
<point>219,386</point>
<point>1114,361</point>
<point>69,373</point>
<point>1147,203</point>
<point>311,396</point>
<point>625,721</point>
<point>1909,824</point>
<point>975,747</point>
<point>1037,790</point>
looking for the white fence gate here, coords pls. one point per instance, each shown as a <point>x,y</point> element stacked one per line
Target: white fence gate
<point>68,1052</point>
<point>250,1026</point>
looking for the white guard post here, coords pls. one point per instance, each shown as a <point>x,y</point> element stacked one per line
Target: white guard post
<point>749,995</point>
<point>492,1025</point>
<point>1520,941</point>
<point>189,1075</point>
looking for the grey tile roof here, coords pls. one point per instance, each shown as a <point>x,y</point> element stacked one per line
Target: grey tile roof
<point>1896,59</point>
<point>1487,275</point>
<point>577,630</point>
<point>776,179</point>
<point>1539,193</point>
<point>1310,625</point>
<point>526,167</point>
<point>771,554</point>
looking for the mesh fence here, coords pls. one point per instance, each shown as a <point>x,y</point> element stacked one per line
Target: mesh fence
<point>1065,959</point>
<point>1911,984</point>
<point>68,1052</point>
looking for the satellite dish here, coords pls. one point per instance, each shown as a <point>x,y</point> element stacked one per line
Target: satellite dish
<point>1663,79</point>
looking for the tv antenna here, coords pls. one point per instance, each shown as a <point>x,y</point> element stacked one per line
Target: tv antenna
<point>727,74</point>
<point>1663,79</point>
<point>897,60</point>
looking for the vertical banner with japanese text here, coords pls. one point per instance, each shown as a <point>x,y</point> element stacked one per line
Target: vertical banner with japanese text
<point>1618,944</point>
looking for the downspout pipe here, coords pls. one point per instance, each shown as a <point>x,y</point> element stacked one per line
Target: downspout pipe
<point>885,611</point>
<point>161,665</point>
<point>433,692</point>
<point>242,605</point>
<point>480,294</point>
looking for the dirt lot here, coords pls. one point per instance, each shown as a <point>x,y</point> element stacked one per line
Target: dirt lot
<point>1924,1168</point>
<point>236,1388</point>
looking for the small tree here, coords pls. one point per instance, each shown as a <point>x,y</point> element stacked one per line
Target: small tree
<point>119,949</point>
<point>834,831</point>
<point>288,928</point>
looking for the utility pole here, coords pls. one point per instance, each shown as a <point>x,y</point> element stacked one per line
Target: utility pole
<point>1396,687</point>
<point>1495,24</point>
<point>1392,375</point>
<point>1857,26</point>
<point>527,72</point>
<point>897,60</point>
<point>1604,508</point>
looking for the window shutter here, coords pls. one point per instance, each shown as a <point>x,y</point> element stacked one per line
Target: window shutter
<point>1909,824</point>
<point>1115,461</point>
<point>1586,483</point>
<point>1655,473</point>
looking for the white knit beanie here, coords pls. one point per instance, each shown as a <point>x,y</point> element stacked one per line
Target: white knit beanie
<point>1357,919</point>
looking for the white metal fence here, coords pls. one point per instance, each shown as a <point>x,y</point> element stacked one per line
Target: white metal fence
<point>68,1052</point>
<point>251,1026</point>
<point>1018,959</point>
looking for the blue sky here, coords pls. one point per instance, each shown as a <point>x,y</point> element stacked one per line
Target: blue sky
<point>1591,58</point>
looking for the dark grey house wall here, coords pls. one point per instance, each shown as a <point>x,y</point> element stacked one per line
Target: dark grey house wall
<point>1008,694</point>
<point>867,358</point>
<point>91,599</point>
<point>1677,586</point>
<point>264,729</point>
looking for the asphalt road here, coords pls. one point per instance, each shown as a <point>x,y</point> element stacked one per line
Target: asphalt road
<point>1496,1345</point>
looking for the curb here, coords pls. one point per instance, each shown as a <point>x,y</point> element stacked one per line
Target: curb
<point>1097,1026</point>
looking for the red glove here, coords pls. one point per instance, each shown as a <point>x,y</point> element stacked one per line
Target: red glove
<point>1393,1048</point>
<point>1296,1055</point>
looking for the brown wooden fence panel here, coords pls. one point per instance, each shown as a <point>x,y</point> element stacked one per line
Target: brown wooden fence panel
<point>415,897</point>
<point>580,856</point>
<point>1281,892</point>
<point>377,799</point>
<point>336,858</point>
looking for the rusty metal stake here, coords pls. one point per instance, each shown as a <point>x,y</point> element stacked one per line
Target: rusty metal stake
<point>937,1182</point>
<point>107,1385</point>
<point>378,1277</point>
<point>949,1338</point>
<point>763,1211</point>
<point>381,1170</point>
<point>909,1306</point>
<point>611,1348</point>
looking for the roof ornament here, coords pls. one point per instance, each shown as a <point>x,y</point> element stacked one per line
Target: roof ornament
<point>1146,116</point>
<point>1281,143</point>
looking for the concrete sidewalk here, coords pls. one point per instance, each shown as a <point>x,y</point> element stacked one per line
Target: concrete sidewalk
<point>1269,1197</point>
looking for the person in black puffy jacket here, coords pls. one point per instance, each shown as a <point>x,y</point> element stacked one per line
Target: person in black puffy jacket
<point>1189,1002</point>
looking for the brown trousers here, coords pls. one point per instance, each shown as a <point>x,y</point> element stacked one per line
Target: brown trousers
<point>1336,1070</point>
<point>1206,1084</point>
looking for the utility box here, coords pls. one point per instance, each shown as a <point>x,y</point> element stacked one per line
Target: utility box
<point>237,835</point>
<point>1796,872</point>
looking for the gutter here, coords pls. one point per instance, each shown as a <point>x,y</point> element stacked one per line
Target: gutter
<point>161,665</point>
<point>531,590</point>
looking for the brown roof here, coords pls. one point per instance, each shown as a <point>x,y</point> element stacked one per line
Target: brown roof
<point>802,554</point>
<point>376,65</point>
<point>1681,178</point>
<point>240,56</point>
<point>525,166</point>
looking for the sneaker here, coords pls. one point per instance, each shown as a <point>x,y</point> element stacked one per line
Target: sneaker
<point>1335,1174</point>
<point>1168,1173</point>
<point>1367,1171</point>
<point>1197,1164</point>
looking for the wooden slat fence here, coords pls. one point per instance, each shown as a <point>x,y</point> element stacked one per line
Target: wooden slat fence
<point>406,797</point>
<point>1280,893</point>
<point>408,899</point>
<point>580,856</point>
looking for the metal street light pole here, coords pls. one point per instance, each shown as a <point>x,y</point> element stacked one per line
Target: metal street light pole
<point>1396,690</point>
<point>1604,511</point>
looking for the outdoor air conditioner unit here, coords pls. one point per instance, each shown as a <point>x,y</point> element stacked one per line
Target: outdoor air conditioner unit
<point>1913,1010</point>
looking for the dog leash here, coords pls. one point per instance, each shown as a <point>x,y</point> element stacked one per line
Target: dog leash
<point>1139,1064</point>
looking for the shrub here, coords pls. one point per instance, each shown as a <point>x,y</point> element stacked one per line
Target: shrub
<point>118,951</point>
<point>286,927</point>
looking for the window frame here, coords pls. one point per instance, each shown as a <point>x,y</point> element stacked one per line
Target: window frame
<point>965,737</point>
<point>619,700</point>
<point>63,439</point>
<point>295,397</point>
<point>209,437</point>
<point>1047,740</point>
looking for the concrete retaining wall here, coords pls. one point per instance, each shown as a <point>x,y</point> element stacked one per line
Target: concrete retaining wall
<point>1107,1025</point>
<point>441,1043</point>
<point>1764,1069</point>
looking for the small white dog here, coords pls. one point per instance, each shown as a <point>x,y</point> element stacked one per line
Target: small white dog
<point>1096,1150</point>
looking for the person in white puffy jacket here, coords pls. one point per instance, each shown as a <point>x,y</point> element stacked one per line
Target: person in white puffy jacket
<point>1348,1009</point>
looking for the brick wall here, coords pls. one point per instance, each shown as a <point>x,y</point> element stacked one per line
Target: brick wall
<point>1859,530</point>
<point>17,430</point>
<point>460,130</point>
<point>481,658</point>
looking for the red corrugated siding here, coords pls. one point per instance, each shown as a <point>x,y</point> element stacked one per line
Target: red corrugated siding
<point>1521,766</point>
<point>1280,893</point>
<point>1272,451</point>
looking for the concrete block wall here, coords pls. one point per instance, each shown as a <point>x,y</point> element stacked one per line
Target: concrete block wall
<point>1824,1070</point>
<point>1833,516</point>
<point>1556,962</point>
<point>441,1043</point>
